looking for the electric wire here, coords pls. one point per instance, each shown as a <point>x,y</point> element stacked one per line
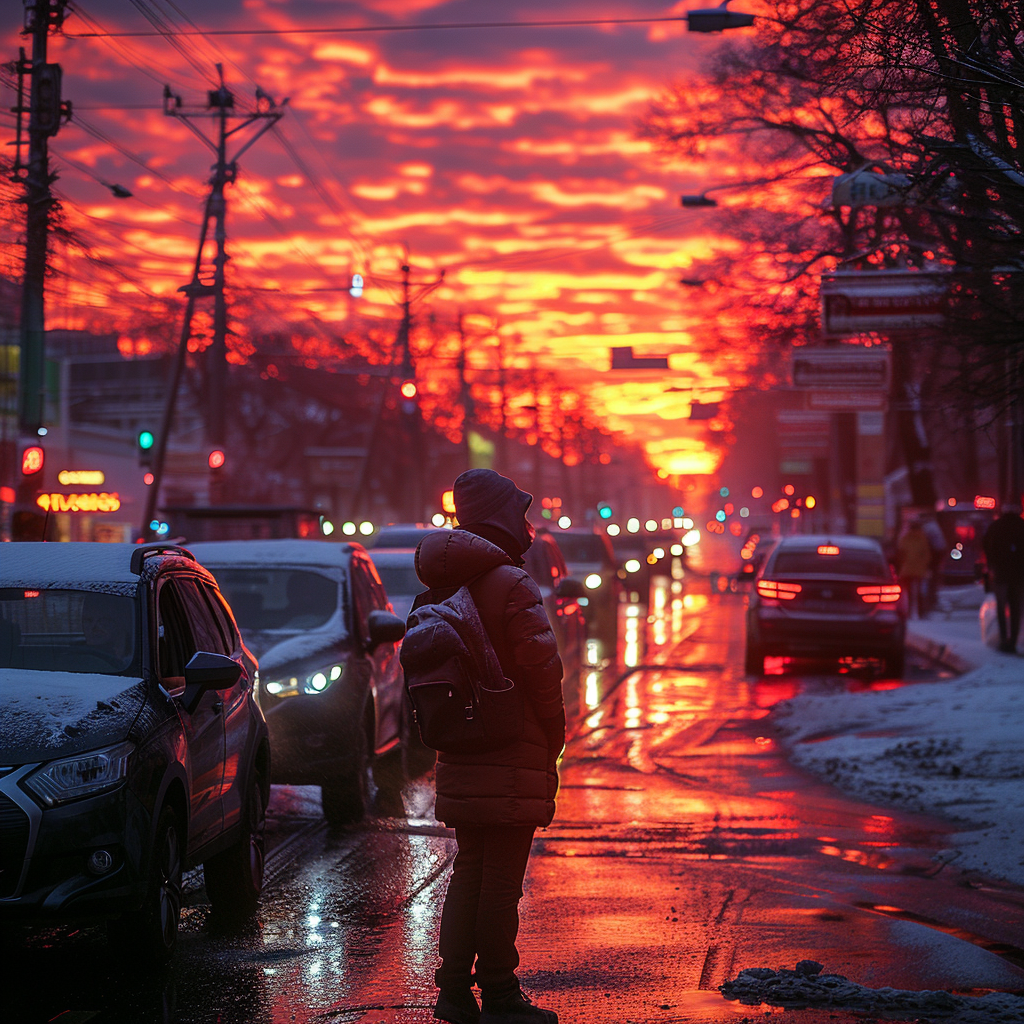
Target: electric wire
<point>141,62</point>
<point>413,27</point>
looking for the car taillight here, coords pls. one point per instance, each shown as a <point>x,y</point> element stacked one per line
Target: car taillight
<point>781,591</point>
<point>887,593</point>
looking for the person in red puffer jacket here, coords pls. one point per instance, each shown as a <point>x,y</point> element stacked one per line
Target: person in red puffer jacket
<point>494,801</point>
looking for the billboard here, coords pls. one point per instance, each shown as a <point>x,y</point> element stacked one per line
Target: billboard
<point>882,301</point>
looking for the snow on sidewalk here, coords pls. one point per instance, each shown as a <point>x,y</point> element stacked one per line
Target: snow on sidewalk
<point>954,749</point>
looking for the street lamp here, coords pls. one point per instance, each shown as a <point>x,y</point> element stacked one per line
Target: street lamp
<point>717,19</point>
<point>697,200</point>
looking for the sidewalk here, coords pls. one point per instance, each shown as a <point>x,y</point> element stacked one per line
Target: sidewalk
<point>950,748</point>
<point>951,635</point>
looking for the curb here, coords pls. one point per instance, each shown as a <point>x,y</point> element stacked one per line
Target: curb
<point>942,653</point>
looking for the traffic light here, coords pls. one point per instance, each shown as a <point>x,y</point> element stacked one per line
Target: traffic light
<point>604,510</point>
<point>215,460</point>
<point>28,521</point>
<point>145,441</point>
<point>408,391</point>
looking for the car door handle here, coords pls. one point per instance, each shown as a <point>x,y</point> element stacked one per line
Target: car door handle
<point>218,705</point>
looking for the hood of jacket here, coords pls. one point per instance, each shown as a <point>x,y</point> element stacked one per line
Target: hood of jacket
<point>451,558</point>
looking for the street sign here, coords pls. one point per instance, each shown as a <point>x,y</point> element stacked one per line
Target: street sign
<point>870,188</point>
<point>623,359</point>
<point>802,433</point>
<point>844,367</point>
<point>845,401</point>
<point>884,301</point>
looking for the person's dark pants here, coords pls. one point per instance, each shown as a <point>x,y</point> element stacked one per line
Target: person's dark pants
<point>1009,598</point>
<point>480,919</point>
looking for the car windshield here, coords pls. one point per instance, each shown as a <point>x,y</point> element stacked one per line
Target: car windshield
<point>400,580</point>
<point>836,561</point>
<point>68,631</point>
<point>582,548</point>
<point>291,599</point>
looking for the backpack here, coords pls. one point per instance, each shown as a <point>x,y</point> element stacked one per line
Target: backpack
<point>462,702</point>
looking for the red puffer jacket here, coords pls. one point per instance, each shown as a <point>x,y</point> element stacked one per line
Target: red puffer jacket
<point>515,785</point>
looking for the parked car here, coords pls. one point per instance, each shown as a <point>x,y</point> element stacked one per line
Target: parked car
<point>318,618</point>
<point>826,597</point>
<point>590,558</point>
<point>561,593</point>
<point>132,741</point>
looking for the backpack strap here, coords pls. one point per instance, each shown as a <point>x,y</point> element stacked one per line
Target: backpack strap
<point>490,591</point>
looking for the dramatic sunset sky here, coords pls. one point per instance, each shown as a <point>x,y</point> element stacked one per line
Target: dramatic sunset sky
<point>508,157</point>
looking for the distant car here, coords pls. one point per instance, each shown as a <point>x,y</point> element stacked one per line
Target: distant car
<point>400,535</point>
<point>397,569</point>
<point>561,593</point>
<point>132,741</point>
<point>757,546</point>
<point>590,557</point>
<point>317,615</point>
<point>826,597</point>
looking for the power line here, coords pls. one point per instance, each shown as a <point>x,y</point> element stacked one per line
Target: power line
<point>416,27</point>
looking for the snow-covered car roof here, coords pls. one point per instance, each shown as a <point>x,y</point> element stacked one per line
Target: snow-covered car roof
<point>76,565</point>
<point>264,553</point>
<point>392,556</point>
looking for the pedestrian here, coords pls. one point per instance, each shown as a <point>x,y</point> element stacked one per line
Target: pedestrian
<point>1003,544</point>
<point>494,801</point>
<point>913,563</point>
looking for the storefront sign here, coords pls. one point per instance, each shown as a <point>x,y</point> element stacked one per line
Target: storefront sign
<point>843,367</point>
<point>101,502</point>
<point>81,477</point>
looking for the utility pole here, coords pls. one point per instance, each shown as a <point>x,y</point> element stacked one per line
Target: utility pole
<point>208,282</point>
<point>208,278</point>
<point>412,418</point>
<point>45,112</point>
<point>465,394</point>
<point>204,283</point>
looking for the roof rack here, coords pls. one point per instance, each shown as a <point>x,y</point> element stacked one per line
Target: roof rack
<point>140,554</point>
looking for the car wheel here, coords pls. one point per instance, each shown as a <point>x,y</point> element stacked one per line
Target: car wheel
<point>896,662</point>
<point>346,797</point>
<point>753,659</point>
<point>234,877</point>
<point>152,931</point>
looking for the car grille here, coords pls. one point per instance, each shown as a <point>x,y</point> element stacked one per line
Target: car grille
<point>14,830</point>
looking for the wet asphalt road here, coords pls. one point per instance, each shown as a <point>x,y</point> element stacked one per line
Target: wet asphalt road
<point>685,848</point>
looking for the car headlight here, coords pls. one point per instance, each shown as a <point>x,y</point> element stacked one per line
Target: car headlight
<point>73,778</point>
<point>593,581</point>
<point>314,682</point>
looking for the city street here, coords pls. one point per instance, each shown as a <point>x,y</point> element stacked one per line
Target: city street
<point>684,850</point>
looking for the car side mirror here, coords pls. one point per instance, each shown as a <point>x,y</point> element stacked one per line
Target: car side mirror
<point>206,671</point>
<point>569,586</point>
<point>385,628</point>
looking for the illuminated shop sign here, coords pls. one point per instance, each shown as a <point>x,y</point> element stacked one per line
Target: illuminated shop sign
<point>81,477</point>
<point>95,502</point>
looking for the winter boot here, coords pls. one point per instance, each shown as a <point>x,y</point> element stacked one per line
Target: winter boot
<point>514,1008</point>
<point>457,1005</point>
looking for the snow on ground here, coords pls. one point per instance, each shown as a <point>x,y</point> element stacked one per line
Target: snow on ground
<point>953,748</point>
<point>807,986</point>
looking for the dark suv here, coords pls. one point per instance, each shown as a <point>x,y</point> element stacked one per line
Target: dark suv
<point>132,743</point>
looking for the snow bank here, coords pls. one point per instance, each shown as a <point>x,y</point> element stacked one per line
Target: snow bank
<point>952,749</point>
<point>806,986</point>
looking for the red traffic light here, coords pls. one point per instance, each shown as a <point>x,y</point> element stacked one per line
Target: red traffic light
<point>216,459</point>
<point>32,459</point>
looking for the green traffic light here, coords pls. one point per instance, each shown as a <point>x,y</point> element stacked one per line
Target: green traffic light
<point>604,511</point>
<point>146,440</point>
